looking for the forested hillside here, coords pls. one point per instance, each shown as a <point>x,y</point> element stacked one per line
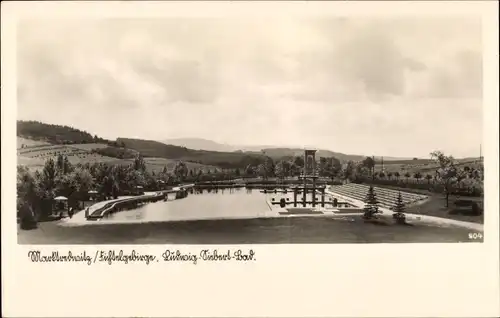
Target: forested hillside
<point>55,134</point>
<point>150,148</point>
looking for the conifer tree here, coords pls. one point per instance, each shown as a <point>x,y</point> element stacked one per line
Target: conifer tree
<point>399,208</point>
<point>371,204</point>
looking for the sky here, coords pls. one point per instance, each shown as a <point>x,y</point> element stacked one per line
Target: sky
<point>386,86</point>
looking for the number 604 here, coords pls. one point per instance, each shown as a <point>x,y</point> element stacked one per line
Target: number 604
<point>475,236</point>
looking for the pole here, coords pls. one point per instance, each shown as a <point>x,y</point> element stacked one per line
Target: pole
<point>323,197</point>
<point>305,181</point>
<point>304,195</point>
<point>314,192</point>
<point>373,168</point>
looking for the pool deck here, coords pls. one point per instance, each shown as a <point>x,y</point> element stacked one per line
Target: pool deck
<point>79,216</point>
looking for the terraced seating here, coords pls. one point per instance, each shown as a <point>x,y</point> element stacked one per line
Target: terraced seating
<point>386,197</point>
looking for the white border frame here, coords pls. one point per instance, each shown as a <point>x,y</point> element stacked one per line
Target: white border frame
<point>287,280</point>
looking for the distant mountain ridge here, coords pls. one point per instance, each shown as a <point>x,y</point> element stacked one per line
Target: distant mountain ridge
<point>199,144</point>
<point>271,151</point>
<point>194,149</point>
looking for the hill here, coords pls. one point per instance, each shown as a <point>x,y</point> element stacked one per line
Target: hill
<point>151,148</point>
<point>199,144</point>
<point>272,151</point>
<point>38,141</point>
<point>54,134</point>
<point>34,156</point>
<point>291,152</point>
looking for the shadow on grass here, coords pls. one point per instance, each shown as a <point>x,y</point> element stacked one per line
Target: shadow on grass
<point>465,212</point>
<point>404,224</point>
<point>376,222</point>
<point>50,218</point>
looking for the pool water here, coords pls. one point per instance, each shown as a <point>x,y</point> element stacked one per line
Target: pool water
<point>228,203</point>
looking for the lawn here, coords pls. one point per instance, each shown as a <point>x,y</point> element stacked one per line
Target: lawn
<point>435,206</point>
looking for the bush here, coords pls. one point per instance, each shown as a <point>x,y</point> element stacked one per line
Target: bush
<point>399,217</point>
<point>466,207</point>
<point>464,203</point>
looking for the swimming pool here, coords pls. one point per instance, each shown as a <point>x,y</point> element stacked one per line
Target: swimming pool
<point>227,203</point>
<point>236,216</point>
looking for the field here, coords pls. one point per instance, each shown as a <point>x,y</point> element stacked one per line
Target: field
<point>33,154</point>
<point>157,164</point>
<point>424,168</point>
<point>89,147</point>
<point>24,142</point>
<point>74,154</point>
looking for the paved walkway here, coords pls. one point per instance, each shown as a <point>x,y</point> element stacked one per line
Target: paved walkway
<point>79,216</point>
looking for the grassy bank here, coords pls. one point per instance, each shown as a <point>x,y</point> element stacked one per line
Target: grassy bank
<point>435,206</point>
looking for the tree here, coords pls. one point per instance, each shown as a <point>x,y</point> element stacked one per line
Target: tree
<point>269,164</point>
<point>84,182</point>
<point>329,167</point>
<point>164,175</point>
<point>280,169</point>
<point>180,171</point>
<point>67,167</point>
<point>399,208</point>
<point>407,175</point>
<point>48,179</point>
<point>389,175</point>
<point>298,162</point>
<point>381,175</point>
<point>27,189</point>
<point>417,175</point>
<point>347,170</point>
<point>139,163</point>
<point>60,163</point>
<point>397,175</point>
<point>262,171</point>
<point>446,172</point>
<point>428,177</point>
<point>461,175</point>
<point>134,179</point>
<point>334,167</point>
<point>249,170</point>
<point>151,182</point>
<point>323,166</point>
<point>371,204</point>
<point>361,171</point>
<point>369,163</point>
